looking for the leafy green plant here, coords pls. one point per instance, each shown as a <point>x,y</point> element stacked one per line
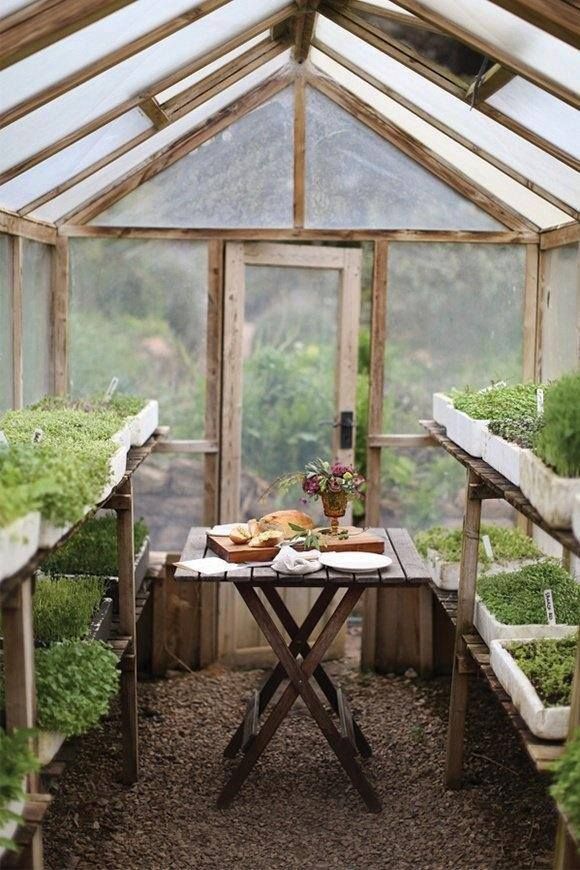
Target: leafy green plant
<point>93,549</point>
<point>566,787</point>
<point>558,444</point>
<point>60,426</point>
<point>63,607</point>
<point>119,405</point>
<point>549,666</point>
<point>498,402</point>
<point>16,761</point>
<point>517,597</point>
<point>523,431</point>
<point>507,544</point>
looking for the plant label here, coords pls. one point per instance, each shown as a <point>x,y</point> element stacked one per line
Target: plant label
<point>3,441</point>
<point>540,401</point>
<point>110,391</point>
<point>549,602</point>
<point>487,547</point>
<point>37,436</point>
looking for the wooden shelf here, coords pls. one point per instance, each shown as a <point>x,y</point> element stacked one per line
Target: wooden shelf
<point>33,814</point>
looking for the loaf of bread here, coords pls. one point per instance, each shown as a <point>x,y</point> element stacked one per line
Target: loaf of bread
<point>282,520</point>
<point>269,538</point>
<point>240,534</point>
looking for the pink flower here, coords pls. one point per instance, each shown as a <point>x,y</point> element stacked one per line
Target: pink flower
<point>310,486</point>
<point>339,469</point>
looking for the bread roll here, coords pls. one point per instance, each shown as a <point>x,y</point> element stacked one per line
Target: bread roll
<point>282,519</point>
<point>240,534</point>
<point>269,538</point>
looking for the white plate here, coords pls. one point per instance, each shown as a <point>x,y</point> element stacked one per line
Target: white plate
<point>355,561</point>
<point>223,531</point>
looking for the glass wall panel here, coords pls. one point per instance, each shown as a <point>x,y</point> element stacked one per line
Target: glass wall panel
<point>454,319</point>
<point>36,319</point>
<point>355,178</point>
<point>5,325</point>
<point>139,312</point>
<point>169,497</point>
<point>561,311</point>
<point>227,182</point>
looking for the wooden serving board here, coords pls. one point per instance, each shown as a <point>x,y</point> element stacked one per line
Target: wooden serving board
<point>242,553</point>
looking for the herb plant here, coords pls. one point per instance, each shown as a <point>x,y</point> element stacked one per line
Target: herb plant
<point>507,544</point>
<point>498,402</point>
<point>16,761</point>
<point>549,666</point>
<point>566,787</point>
<point>523,431</point>
<point>63,607</point>
<point>122,406</point>
<point>558,444</point>
<point>93,549</point>
<point>517,597</point>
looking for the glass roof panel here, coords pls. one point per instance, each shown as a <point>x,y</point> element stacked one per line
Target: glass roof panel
<point>127,80</point>
<point>469,164</point>
<point>541,113</point>
<point>120,167</point>
<point>484,132</point>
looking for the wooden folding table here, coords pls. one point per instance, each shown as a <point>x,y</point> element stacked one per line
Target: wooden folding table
<point>300,662</point>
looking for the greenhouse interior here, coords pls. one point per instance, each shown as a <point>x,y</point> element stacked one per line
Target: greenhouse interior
<point>289,434</point>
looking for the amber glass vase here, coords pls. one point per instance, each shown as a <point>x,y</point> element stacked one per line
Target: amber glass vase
<point>334,504</point>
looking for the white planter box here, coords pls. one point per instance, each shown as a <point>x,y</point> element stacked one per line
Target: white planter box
<point>445,575</point>
<point>441,405</point>
<point>549,723</point>
<point>465,431</point>
<point>144,424</point>
<point>18,542</point>
<point>123,437</point>
<point>47,745</point>
<point>552,496</point>
<point>491,629</point>
<point>576,517</point>
<point>504,456</point>
<point>51,534</point>
<point>8,830</point>
<point>118,466</point>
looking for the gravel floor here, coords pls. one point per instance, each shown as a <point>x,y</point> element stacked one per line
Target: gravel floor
<point>298,810</point>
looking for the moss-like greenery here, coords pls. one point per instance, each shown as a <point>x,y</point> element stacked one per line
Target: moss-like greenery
<point>93,549</point>
<point>498,403</point>
<point>558,444</point>
<point>566,787</point>
<point>523,432</point>
<point>517,597</point>
<point>63,607</point>
<point>61,426</point>
<point>549,666</point>
<point>507,544</point>
<point>121,406</point>
<point>16,761</point>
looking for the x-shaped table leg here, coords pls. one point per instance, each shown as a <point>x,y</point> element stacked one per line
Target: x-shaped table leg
<point>299,684</point>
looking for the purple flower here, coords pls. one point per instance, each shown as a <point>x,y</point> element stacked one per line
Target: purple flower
<point>339,469</point>
<point>310,486</point>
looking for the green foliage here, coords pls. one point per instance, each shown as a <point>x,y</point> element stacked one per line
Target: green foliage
<point>16,761</point>
<point>517,597</point>
<point>566,787</point>
<point>549,666</point>
<point>507,544</point>
<point>119,405</point>
<point>61,426</point>
<point>64,607</point>
<point>523,431</point>
<point>93,549</point>
<point>498,402</point>
<point>558,443</point>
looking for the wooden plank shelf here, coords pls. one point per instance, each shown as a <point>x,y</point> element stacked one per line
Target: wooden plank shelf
<point>33,814</point>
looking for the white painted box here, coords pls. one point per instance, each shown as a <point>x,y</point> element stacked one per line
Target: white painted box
<point>551,495</point>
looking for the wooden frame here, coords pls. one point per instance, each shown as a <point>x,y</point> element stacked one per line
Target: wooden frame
<point>27,228</point>
<point>558,17</point>
<point>16,299</point>
<point>565,235</point>
<point>304,28</point>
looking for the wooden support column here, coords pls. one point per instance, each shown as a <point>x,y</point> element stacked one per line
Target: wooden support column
<point>299,150</point>
<point>127,628</point>
<point>465,604</point>
<point>60,307</point>
<point>16,282</point>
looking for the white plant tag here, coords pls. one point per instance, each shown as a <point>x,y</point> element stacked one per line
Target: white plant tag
<point>3,440</point>
<point>549,602</point>
<point>111,389</point>
<point>487,547</point>
<point>38,436</point>
<point>540,401</point>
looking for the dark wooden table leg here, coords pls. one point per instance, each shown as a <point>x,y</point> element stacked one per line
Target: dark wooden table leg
<point>299,685</point>
<point>278,674</point>
<point>324,681</point>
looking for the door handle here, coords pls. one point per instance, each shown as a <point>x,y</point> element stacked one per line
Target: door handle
<point>346,429</point>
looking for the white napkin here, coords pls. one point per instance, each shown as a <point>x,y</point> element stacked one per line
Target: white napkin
<point>290,561</point>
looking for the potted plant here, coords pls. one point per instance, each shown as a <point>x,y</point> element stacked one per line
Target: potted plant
<point>441,549</point>
<point>19,518</point>
<point>537,675</point>
<point>550,475</point>
<point>513,605</point>
<point>18,760</point>
<point>566,787</point>
<point>142,416</point>
<point>441,405</point>
<point>67,608</point>
<point>505,443</point>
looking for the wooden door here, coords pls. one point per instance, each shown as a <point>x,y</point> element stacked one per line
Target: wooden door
<point>291,322</point>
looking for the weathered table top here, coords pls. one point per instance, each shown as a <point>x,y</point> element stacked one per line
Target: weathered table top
<point>407,568</point>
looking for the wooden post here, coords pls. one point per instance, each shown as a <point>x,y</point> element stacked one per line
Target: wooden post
<point>127,628</point>
<point>465,604</point>
<point>16,282</point>
<point>299,150</point>
<point>60,307</point>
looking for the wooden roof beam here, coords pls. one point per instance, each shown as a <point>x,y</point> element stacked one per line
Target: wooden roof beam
<point>558,17</point>
<point>304,28</point>
<point>494,79</point>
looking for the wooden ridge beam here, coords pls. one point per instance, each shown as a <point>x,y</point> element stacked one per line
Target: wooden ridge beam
<point>444,128</point>
<point>174,151</point>
<point>423,155</point>
<point>558,17</point>
<point>485,46</point>
<point>304,28</point>
<point>40,24</point>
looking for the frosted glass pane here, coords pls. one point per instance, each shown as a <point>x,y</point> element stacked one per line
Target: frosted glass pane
<point>128,79</point>
<point>561,311</point>
<point>355,178</point>
<point>227,182</point>
<point>10,6</point>
<point>60,167</point>
<point>116,170</point>
<point>454,320</point>
<point>169,496</point>
<point>514,150</point>
<point>5,325</point>
<point>139,312</point>
<point>289,364</point>
<point>36,319</point>
<point>541,113</point>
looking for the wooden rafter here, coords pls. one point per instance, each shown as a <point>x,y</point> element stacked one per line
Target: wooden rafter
<point>558,17</point>
<point>483,45</point>
<point>170,153</point>
<point>494,79</point>
<point>39,24</point>
<point>299,152</point>
<point>422,154</point>
<point>391,15</point>
<point>440,124</point>
<point>304,28</point>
